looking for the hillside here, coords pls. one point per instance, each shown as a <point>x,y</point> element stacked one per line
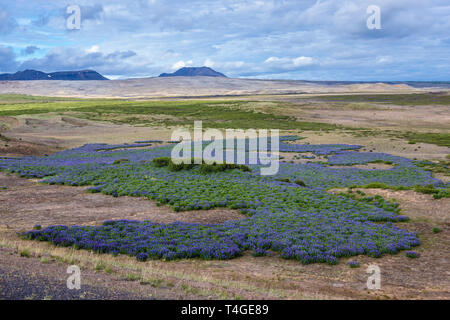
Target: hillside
<point>61,75</point>
<point>194,72</point>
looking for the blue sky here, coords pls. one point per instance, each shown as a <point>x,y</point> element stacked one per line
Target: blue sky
<point>276,39</point>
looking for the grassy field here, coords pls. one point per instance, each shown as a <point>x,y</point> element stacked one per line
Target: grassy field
<point>214,114</point>
<point>217,113</point>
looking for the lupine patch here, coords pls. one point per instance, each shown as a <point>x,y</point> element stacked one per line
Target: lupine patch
<point>354,264</point>
<point>296,220</point>
<point>411,254</point>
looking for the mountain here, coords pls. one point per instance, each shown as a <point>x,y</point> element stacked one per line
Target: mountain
<point>194,72</point>
<point>61,75</point>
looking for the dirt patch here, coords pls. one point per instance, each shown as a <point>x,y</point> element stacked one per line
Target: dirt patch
<point>368,115</point>
<point>297,157</point>
<point>26,202</point>
<point>62,132</point>
<point>143,147</point>
<point>27,278</point>
<point>74,121</point>
<point>43,276</point>
<point>18,148</point>
<point>368,166</point>
<point>308,157</point>
<point>417,206</point>
<point>443,177</point>
<point>394,146</point>
<point>8,122</point>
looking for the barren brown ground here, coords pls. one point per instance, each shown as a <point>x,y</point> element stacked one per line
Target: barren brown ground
<point>390,117</point>
<point>293,157</point>
<point>418,206</point>
<point>48,133</point>
<point>26,202</point>
<point>29,279</point>
<point>45,134</point>
<point>395,146</point>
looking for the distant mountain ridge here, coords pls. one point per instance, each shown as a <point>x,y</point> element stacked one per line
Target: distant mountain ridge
<point>60,75</point>
<point>194,72</point>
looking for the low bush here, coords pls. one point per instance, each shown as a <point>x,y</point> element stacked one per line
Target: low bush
<point>119,161</point>
<point>300,183</point>
<point>161,161</point>
<point>208,168</point>
<point>354,264</point>
<point>283,180</point>
<point>412,254</point>
<point>203,168</point>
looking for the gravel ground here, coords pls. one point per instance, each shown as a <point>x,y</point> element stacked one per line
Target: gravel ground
<point>28,278</point>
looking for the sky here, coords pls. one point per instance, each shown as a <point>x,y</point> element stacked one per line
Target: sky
<point>273,39</point>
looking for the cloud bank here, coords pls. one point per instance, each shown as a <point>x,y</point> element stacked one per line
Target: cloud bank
<point>282,39</point>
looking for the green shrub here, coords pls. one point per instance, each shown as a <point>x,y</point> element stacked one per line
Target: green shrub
<point>209,168</point>
<point>161,162</point>
<point>25,253</point>
<point>180,166</point>
<point>244,168</point>
<point>203,168</point>
<point>283,179</point>
<point>354,264</point>
<point>443,193</point>
<point>381,161</point>
<point>412,254</point>
<point>119,161</point>
<point>428,189</point>
<point>376,185</point>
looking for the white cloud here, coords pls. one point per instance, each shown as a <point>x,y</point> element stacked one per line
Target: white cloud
<point>112,63</point>
<point>92,49</point>
<point>289,62</point>
<point>309,39</point>
<point>302,61</point>
<point>181,64</point>
<point>384,59</point>
<point>208,63</point>
<point>273,59</point>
